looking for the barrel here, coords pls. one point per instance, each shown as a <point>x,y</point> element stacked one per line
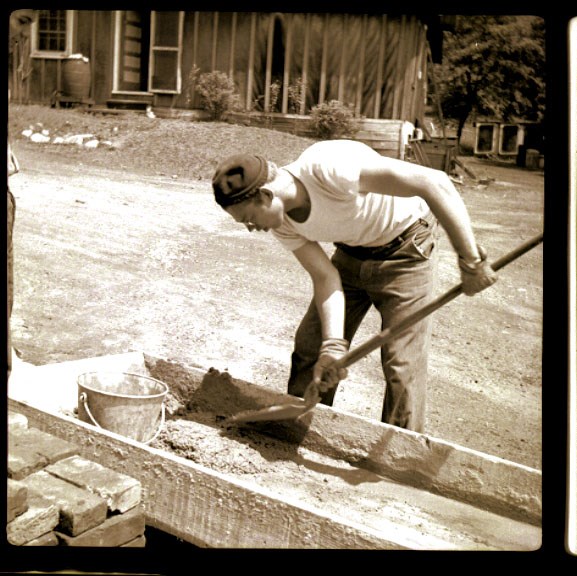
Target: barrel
<point>76,77</point>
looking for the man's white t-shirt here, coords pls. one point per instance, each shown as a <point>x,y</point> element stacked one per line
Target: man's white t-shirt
<point>330,171</point>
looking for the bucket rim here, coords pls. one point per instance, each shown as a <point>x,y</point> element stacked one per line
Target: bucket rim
<point>117,395</point>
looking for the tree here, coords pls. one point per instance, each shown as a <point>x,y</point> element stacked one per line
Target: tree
<point>493,66</point>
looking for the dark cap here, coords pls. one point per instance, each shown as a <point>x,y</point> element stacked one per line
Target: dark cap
<point>238,178</point>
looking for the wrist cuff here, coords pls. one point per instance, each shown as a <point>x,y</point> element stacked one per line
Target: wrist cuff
<point>334,345</point>
<point>475,264</point>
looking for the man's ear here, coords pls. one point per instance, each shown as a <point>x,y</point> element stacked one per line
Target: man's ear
<point>265,196</point>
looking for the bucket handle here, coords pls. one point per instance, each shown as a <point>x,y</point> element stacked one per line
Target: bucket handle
<point>84,399</point>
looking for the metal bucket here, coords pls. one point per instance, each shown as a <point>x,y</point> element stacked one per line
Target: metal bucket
<point>124,403</point>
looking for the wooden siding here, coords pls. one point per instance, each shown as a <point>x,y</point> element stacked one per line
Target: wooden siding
<point>376,64</point>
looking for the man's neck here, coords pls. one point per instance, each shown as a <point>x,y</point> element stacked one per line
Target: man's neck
<point>298,202</point>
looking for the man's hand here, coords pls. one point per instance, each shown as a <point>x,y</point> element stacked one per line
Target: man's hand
<point>325,375</point>
<point>478,275</point>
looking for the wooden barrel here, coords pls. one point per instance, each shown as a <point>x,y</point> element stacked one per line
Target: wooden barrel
<point>76,78</point>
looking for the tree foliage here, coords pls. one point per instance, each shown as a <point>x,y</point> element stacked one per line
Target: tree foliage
<point>493,66</point>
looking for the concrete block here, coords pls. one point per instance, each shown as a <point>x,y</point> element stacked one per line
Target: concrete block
<point>17,499</point>
<point>32,449</point>
<point>41,517</point>
<point>23,461</point>
<point>79,508</point>
<point>48,539</point>
<point>120,491</point>
<point>118,529</point>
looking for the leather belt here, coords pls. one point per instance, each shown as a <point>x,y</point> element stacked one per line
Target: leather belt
<point>385,251</point>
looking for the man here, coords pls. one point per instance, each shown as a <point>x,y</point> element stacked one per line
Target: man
<point>382,215</point>
<point>19,30</point>
<point>13,168</point>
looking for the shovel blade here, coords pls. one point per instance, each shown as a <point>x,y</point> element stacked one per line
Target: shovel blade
<point>278,412</point>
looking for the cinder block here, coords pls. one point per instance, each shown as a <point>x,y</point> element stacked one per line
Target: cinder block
<point>16,421</point>
<point>79,508</point>
<point>118,529</point>
<point>31,450</point>
<point>41,517</point>
<point>120,491</point>
<point>48,539</point>
<point>23,461</point>
<point>17,499</point>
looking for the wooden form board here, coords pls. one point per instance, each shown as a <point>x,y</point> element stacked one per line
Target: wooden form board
<point>427,463</point>
<point>204,507</point>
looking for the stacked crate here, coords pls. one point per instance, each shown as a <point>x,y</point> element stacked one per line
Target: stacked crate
<point>58,498</point>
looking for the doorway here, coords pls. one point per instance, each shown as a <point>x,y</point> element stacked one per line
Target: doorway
<point>132,54</point>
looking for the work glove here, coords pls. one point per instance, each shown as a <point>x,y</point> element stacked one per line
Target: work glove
<point>478,275</point>
<point>325,375</point>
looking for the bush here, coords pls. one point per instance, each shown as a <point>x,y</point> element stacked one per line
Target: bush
<point>332,120</point>
<point>217,93</point>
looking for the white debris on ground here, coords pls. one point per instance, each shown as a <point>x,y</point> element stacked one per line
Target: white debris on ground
<point>42,136</point>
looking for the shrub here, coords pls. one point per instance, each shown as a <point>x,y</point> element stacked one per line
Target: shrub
<point>332,120</point>
<point>217,92</point>
<point>295,96</point>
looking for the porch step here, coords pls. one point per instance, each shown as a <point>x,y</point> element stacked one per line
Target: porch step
<point>126,104</point>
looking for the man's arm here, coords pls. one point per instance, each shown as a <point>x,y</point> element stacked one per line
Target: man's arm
<point>397,178</point>
<point>327,288</point>
<point>330,302</point>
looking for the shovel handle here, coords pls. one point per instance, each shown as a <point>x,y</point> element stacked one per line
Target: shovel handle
<point>377,341</point>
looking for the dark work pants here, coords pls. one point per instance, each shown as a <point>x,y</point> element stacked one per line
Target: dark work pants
<point>397,287</point>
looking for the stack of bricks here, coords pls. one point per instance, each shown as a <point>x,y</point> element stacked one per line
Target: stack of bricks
<point>58,498</point>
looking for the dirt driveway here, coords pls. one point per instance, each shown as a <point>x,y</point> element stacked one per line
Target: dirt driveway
<point>109,261</point>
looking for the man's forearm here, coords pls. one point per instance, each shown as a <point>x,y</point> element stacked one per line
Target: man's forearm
<point>330,302</point>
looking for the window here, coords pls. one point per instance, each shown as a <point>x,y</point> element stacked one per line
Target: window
<point>52,33</point>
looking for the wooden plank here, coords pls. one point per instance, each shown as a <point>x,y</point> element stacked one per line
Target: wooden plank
<point>195,38</point>
<point>380,64</point>
<point>422,81</point>
<point>408,69</point>
<point>398,77</point>
<point>415,72</point>
<point>214,41</point>
<point>304,74</point>
<point>344,44</point>
<point>380,144</point>
<point>324,58</point>
<point>268,67</point>
<point>287,63</point>
<point>361,67</point>
<point>205,508</point>
<point>250,71</point>
<point>232,45</point>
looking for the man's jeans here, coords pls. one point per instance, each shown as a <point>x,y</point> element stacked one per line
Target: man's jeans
<point>397,287</point>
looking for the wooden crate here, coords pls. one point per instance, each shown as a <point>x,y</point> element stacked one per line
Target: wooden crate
<point>385,136</point>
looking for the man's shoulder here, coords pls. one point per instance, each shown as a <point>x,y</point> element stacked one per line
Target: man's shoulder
<point>326,153</point>
<point>324,146</point>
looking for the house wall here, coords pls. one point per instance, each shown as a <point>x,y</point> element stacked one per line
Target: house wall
<point>93,37</point>
<point>377,64</point>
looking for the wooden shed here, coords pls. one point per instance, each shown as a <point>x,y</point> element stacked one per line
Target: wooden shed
<point>281,63</point>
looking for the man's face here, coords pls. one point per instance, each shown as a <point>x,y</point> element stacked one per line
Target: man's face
<point>261,212</point>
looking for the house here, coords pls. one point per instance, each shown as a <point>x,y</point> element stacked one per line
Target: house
<point>282,63</point>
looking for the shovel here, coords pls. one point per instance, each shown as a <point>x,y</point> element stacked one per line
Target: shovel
<point>298,407</point>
